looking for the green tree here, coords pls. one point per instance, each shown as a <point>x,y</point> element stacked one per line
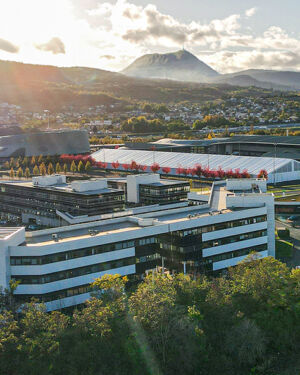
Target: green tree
<point>80,167</point>
<point>20,172</point>
<point>12,173</point>
<point>65,168</point>
<point>41,333</point>
<point>50,169</point>
<point>36,170</point>
<point>25,161</point>
<point>27,173</point>
<point>58,168</point>
<point>43,169</point>
<point>33,161</point>
<point>87,166</point>
<point>73,167</point>
<point>171,333</point>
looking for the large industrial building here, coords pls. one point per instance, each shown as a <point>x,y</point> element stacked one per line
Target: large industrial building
<point>57,265</point>
<point>243,145</point>
<point>278,169</point>
<point>44,143</point>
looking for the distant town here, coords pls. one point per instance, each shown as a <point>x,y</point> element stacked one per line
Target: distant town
<point>108,119</point>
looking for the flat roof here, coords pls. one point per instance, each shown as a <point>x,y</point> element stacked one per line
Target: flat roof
<point>272,139</point>
<point>76,232</point>
<point>66,188</point>
<point>7,231</point>
<point>217,205</point>
<point>164,182</point>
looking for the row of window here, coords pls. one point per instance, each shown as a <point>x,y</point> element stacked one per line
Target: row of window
<point>83,288</point>
<point>164,192</point>
<point>221,226</point>
<point>237,253</point>
<point>76,272</point>
<point>71,292</point>
<point>148,258</point>
<point>232,239</point>
<point>87,288</point>
<point>181,249</point>
<point>72,254</point>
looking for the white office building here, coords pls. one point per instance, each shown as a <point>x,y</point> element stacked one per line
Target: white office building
<point>57,265</point>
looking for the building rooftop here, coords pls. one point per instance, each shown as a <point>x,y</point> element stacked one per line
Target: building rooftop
<point>216,205</point>
<point>186,160</point>
<point>8,231</point>
<point>62,187</point>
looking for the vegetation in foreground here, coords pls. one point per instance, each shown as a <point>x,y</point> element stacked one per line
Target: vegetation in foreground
<point>246,323</point>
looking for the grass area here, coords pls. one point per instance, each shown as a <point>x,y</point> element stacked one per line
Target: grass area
<point>284,188</point>
<point>284,249</point>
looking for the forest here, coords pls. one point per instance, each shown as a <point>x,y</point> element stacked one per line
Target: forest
<point>244,323</point>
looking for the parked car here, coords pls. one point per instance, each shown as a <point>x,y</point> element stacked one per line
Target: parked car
<point>33,227</point>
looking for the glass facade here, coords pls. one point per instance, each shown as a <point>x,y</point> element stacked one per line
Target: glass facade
<point>163,194</point>
<point>67,274</point>
<point>21,199</point>
<point>173,249</point>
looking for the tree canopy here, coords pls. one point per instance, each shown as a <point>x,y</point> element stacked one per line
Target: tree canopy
<point>245,323</point>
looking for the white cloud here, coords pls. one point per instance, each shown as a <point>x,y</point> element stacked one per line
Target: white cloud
<point>8,46</point>
<point>54,45</point>
<point>230,61</point>
<point>110,34</point>
<point>250,12</point>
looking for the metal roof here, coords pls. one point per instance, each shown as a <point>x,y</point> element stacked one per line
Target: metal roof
<point>267,139</point>
<point>179,159</point>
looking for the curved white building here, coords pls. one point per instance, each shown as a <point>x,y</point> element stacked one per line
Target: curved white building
<point>279,169</point>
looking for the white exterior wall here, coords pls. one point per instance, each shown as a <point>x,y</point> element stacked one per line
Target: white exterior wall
<point>89,185</point>
<point>72,282</point>
<point>246,184</point>
<point>48,180</point>
<point>67,302</point>
<point>251,200</point>
<point>14,239</point>
<point>282,177</point>
<point>133,182</point>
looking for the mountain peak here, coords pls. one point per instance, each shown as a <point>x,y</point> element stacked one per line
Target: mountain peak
<point>181,65</point>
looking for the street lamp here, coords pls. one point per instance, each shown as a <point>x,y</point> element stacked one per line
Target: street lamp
<point>274,163</point>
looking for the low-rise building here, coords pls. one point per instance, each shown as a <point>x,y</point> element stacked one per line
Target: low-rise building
<point>148,189</point>
<point>57,265</point>
<point>39,200</point>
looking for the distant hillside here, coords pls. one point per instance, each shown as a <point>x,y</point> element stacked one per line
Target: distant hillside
<point>281,80</point>
<point>180,65</point>
<point>36,87</point>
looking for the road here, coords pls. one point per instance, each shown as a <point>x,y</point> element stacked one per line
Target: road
<point>295,239</point>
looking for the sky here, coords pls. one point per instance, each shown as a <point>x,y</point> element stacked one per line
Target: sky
<point>229,35</point>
